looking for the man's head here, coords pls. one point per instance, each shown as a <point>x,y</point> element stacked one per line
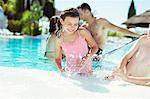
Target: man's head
<point>84,10</point>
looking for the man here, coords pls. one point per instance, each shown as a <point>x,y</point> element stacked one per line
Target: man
<point>135,65</point>
<point>100,27</point>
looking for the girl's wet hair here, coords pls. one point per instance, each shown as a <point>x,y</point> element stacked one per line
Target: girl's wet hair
<point>72,12</point>
<point>55,25</point>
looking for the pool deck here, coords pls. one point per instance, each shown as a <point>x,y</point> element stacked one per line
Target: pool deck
<point>17,83</point>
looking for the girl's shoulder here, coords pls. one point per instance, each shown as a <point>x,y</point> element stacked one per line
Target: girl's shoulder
<point>83,30</point>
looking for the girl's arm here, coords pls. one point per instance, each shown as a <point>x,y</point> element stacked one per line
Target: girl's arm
<point>129,55</point>
<point>132,79</point>
<point>139,80</point>
<point>58,57</point>
<point>123,64</point>
<point>91,42</point>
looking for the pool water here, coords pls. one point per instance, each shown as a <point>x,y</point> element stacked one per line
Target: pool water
<point>29,53</point>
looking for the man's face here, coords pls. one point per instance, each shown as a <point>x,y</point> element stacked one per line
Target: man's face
<point>82,14</point>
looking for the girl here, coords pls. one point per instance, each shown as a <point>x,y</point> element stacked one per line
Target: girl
<point>51,42</point>
<point>74,41</point>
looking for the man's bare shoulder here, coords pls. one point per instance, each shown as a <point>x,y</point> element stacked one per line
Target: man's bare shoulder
<point>102,21</point>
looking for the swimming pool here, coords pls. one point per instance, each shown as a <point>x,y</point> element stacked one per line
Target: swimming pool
<point>29,53</point>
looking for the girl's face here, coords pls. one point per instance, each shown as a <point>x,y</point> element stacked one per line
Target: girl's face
<point>70,24</point>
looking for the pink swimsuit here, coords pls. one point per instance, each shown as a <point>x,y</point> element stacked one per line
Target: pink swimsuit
<point>74,52</point>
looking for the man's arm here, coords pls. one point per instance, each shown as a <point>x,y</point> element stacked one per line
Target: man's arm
<point>110,26</point>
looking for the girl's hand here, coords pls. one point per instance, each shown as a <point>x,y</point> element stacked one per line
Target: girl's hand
<point>62,70</point>
<point>83,61</point>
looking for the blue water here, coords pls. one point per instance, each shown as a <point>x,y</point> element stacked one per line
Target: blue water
<point>29,53</point>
